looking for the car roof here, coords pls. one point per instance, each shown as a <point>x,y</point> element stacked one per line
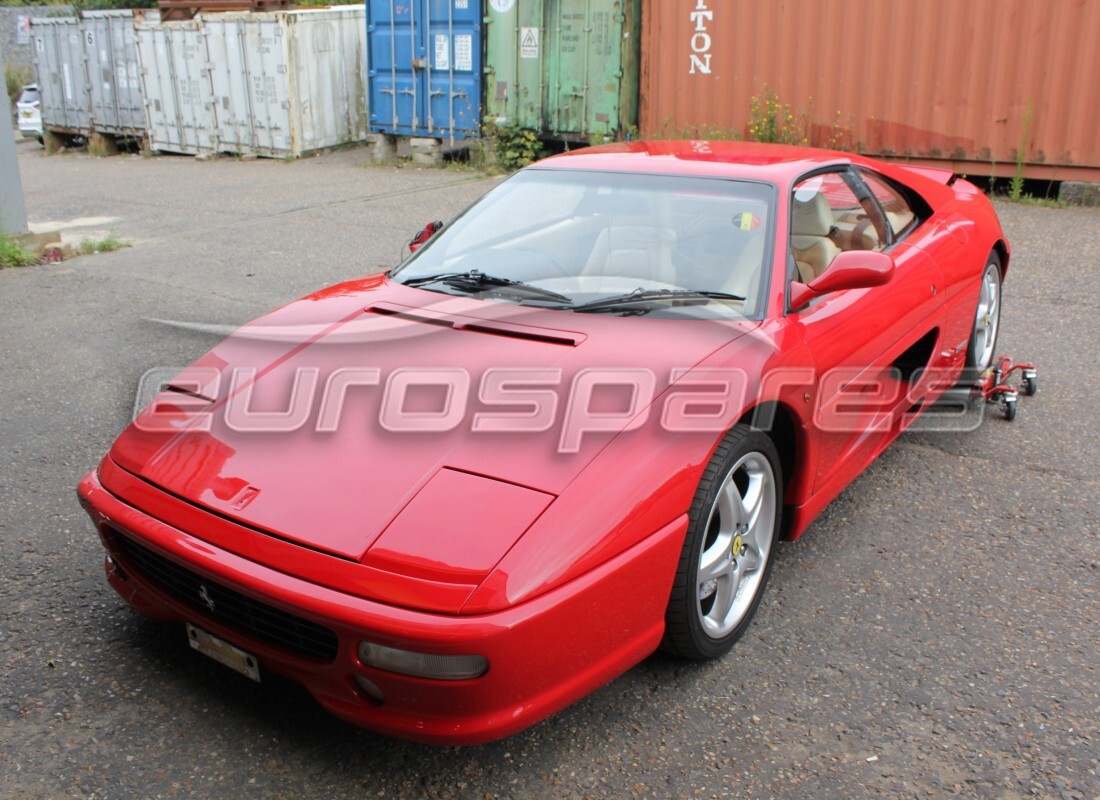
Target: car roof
<point>721,159</point>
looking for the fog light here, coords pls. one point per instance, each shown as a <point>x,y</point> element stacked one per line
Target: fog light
<point>369,690</point>
<point>422,665</point>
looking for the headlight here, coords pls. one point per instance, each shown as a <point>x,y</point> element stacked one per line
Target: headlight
<point>423,665</point>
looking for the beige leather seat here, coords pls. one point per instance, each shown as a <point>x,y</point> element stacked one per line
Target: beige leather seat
<point>634,251</point>
<point>811,224</point>
<point>899,220</point>
<point>855,231</point>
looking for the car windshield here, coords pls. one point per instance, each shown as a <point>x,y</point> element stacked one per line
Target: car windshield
<point>606,242</point>
<point>29,96</point>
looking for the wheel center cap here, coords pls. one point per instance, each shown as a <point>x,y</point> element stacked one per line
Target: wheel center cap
<point>737,542</point>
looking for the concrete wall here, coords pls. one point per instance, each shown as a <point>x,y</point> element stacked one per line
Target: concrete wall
<point>15,42</point>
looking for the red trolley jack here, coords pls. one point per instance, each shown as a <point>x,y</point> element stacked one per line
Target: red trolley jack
<point>993,388</point>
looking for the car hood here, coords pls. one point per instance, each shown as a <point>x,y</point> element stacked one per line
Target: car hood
<point>322,422</point>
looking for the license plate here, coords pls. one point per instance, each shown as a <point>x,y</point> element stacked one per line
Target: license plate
<point>223,652</point>
<point>26,115</point>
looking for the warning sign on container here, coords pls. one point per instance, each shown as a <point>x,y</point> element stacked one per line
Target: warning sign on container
<point>529,43</point>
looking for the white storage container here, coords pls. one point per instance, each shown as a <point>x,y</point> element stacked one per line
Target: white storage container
<point>286,83</point>
<point>327,54</point>
<point>277,84</point>
<point>176,86</point>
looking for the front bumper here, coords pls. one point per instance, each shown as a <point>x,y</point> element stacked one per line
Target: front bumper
<point>543,654</point>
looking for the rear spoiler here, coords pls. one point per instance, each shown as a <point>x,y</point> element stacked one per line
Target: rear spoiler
<point>944,176</point>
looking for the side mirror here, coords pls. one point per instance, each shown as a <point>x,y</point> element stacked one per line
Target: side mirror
<point>424,234</point>
<point>852,269</point>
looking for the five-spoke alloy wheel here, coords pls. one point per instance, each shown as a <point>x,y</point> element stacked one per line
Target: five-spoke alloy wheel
<point>987,318</point>
<point>727,555</point>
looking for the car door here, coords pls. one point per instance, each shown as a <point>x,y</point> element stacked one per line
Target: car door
<point>948,240</point>
<point>868,345</point>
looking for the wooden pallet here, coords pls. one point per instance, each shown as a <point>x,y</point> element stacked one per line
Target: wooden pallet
<point>175,10</point>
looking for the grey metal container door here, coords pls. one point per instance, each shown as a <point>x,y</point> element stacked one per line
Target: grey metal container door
<point>59,63</point>
<point>176,87</point>
<point>249,77</point>
<point>115,85</point>
<point>327,56</point>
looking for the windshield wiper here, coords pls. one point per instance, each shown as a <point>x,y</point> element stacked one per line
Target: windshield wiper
<point>476,280</point>
<point>647,296</point>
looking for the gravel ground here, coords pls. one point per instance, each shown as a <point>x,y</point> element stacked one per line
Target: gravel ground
<point>934,634</point>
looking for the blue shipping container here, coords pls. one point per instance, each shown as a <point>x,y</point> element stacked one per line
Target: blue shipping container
<point>424,67</point>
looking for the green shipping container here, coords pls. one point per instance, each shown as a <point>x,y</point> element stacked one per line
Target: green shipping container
<point>567,69</point>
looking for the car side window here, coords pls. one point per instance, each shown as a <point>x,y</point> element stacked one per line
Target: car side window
<point>828,217</point>
<point>899,215</point>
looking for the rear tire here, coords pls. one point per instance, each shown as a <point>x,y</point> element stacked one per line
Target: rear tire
<point>982,345</point>
<point>737,507</point>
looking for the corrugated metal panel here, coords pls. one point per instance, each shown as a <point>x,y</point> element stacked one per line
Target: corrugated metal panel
<point>424,67</point>
<point>274,84</point>
<point>59,64</point>
<point>565,68</point>
<point>328,67</point>
<point>515,58</point>
<point>287,83</point>
<point>113,78</point>
<point>587,54</point>
<point>248,73</point>
<point>176,87</point>
<point>939,79</point>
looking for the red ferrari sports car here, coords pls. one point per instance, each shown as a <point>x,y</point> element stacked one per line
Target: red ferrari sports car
<point>568,430</point>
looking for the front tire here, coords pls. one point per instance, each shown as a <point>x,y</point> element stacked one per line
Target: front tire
<point>987,318</point>
<point>729,547</point>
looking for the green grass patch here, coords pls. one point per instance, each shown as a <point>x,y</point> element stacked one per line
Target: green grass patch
<point>89,246</point>
<point>12,255</point>
<point>1045,202</point>
<point>15,77</point>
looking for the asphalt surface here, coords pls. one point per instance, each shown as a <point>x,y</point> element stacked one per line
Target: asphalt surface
<point>934,634</point>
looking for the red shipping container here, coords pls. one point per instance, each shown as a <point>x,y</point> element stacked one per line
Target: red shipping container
<point>937,81</point>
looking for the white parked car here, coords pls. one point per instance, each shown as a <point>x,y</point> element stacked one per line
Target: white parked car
<point>29,110</point>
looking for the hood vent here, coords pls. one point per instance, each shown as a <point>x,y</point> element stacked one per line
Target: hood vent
<point>491,327</point>
<point>172,387</point>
